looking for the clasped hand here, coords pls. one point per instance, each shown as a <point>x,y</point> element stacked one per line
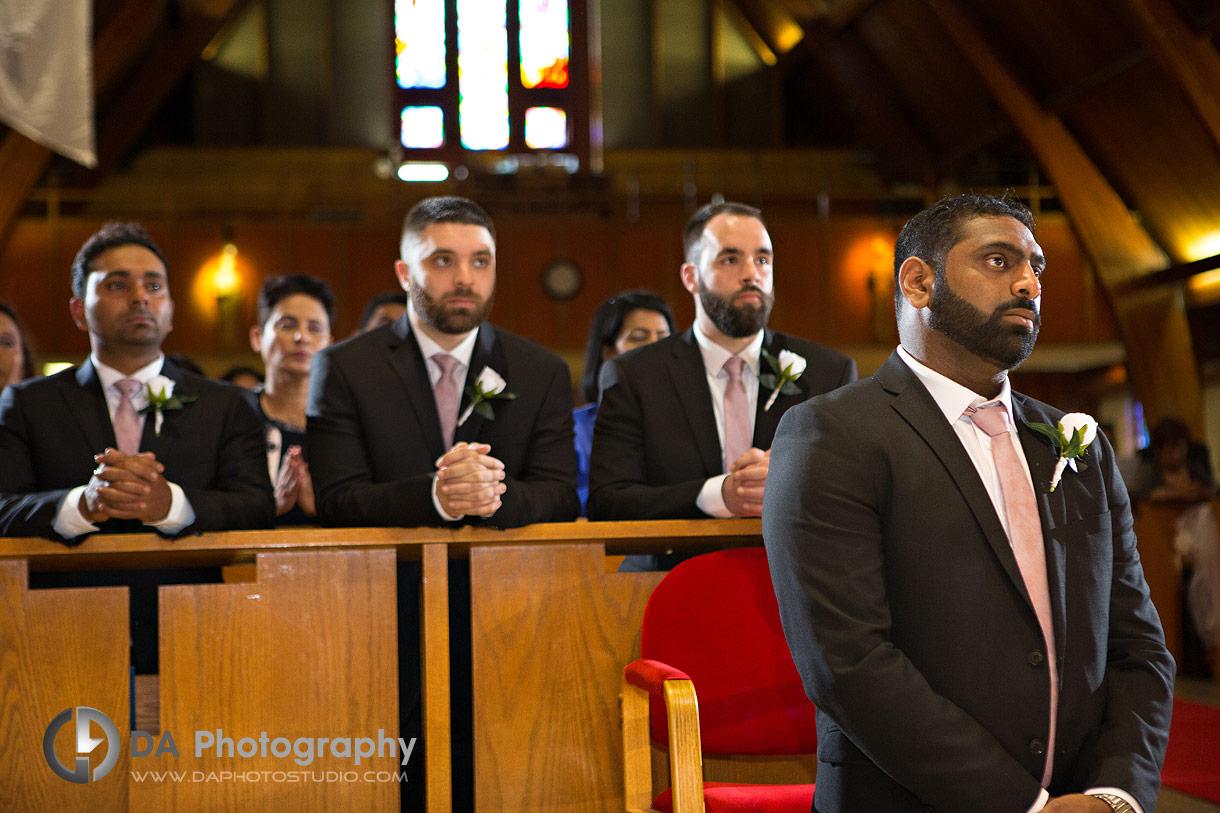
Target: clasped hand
<point>469,481</point>
<point>126,486</point>
<point>742,490</point>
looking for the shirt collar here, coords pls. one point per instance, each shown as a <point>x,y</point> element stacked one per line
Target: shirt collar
<point>429,348</point>
<point>951,397</point>
<point>714,356</point>
<point>109,376</point>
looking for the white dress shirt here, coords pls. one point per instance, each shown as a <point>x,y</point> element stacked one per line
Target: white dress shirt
<point>953,399</point>
<point>69,521</point>
<point>711,500</point>
<point>429,348</point>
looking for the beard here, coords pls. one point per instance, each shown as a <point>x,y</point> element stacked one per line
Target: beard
<point>439,316</point>
<point>986,336</point>
<point>737,321</point>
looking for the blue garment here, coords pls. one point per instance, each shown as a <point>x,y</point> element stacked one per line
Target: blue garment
<point>583,419</point>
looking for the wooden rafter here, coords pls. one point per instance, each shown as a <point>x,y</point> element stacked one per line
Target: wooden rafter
<point>1188,58</point>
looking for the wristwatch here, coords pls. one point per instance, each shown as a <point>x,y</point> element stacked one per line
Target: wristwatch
<point>1117,803</point>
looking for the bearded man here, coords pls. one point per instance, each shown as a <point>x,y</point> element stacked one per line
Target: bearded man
<point>685,424</point>
<point>439,418</point>
<point>968,614</point>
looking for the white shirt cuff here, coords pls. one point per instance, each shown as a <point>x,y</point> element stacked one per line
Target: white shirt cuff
<point>69,521</point>
<point>180,515</point>
<point>711,499</point>
<point>436,503</point>
<point>1043,798</point>
<point>1122,794</point>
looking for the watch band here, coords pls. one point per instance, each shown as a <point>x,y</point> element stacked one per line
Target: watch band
<point>1117,803</point>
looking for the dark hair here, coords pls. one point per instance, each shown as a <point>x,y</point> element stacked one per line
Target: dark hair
<point>112,235</point>
<point>285,285</point>
<point>1167,432</point>
<point>930,234</point>
<point>607,323</point>
<point>27,354</point>
<point>448,209</point>
<point>233,372</point>
<point>388,298</point>
<point>692,235</point>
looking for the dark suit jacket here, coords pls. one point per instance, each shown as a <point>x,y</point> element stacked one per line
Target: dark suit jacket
<point>374,436</point>
<point>911,627</point>
<point>655,441</point>
<point>50,429</point>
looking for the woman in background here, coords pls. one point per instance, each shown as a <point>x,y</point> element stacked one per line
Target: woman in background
<point>16,359</point>
<point>623,322</point>
<point>295,313</point>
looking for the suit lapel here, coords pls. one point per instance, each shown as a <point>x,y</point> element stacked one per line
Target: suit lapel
<point>87,404</point>
<point>171,429</point>
<point>917,407</point>
<point>408,363</point>
<point>487,353</point>
<point>689,378</point>
<point>1041,457</point>
<point>767,420</point>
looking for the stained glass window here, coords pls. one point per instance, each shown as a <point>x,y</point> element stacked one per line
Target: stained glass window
<point>423,127</point>
<point>546,128</point>
<point>458,90</point>
<point>544,43</point>
<point>419,43</point>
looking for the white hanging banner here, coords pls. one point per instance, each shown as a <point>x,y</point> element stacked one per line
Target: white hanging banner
<point>46,74</point>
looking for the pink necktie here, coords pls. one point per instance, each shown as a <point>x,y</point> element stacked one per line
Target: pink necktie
<point>446,393</point>
<point>736,413</point>
<point>1025,534</point>
<point>126,421</point>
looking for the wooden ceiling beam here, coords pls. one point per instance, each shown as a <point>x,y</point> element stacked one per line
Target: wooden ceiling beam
<point>1188,58</point>
<point>121,123</point>
<point>1160,355</point>
<point>23,161</point>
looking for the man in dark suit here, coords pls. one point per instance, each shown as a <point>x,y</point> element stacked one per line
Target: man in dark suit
<point>84,450</point>
<point>970,618</point>
<point>440,418</point>
<point>680,433</point>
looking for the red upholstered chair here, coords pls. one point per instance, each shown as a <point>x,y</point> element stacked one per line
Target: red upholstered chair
<point>712,625</point>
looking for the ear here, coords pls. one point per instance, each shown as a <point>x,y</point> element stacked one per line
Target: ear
<point>403,273</point>
<point>256,339</point>
<point>76,307</point>
<point>690,277</point>
<point>915,279</point>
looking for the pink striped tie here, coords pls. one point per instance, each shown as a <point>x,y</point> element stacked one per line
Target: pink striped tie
<point>446,393</point>
<point>1025,535</point>
<point>736,413</point>
<point>126,421</point>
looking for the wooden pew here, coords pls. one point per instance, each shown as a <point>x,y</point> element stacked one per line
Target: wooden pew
<point>308,648</point>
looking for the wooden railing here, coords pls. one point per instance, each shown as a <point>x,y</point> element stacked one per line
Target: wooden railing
<point>306,647</point>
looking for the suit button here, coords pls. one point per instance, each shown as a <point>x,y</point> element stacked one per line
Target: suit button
<point>1035,658</point>
<point>1037,747</point>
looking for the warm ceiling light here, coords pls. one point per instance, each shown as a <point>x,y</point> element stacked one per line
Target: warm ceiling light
<point>427,171</point>
<point>225,279</point>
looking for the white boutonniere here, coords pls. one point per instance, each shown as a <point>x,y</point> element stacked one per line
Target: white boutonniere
<point>1070,437</point>
<point>161,398</point>
<point>786,369</point>
<point>487,386</point>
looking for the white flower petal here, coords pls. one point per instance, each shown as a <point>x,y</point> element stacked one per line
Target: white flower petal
<point>1072,421</point>
<point>793,363</point>
<point>490,382</point>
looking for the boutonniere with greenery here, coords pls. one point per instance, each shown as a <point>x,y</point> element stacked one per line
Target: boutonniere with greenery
<point>785,370</point>
<point>1070,437</point>
<point>161,398</point>
<point>487,386</point>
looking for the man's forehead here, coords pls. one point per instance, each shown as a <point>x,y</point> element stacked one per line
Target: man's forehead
<point>130,258</point>
<point>455,237</point>
<point>729,229</point>
<point>1002,228</point>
